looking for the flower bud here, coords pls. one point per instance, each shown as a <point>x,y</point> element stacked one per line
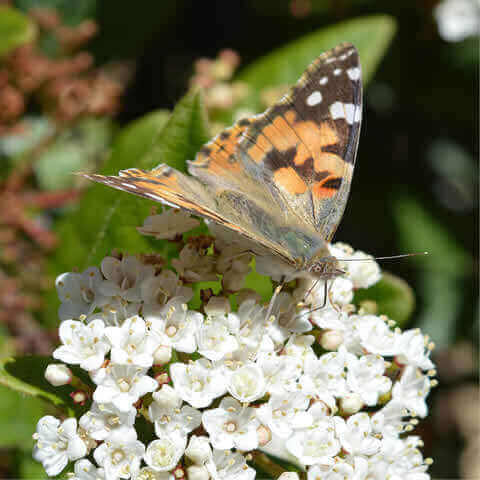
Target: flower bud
<point>162,378</point>
<point>331,339</point>
<point>79,397</point>
<point>197,472</point>
<point>351,404</point>
<point>162,355</point>
<point>264,435</point>
<point>198,450</point>
<point>58,374</point>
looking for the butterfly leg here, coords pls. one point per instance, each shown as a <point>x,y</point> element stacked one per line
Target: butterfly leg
<point>277,290</point>
<point>326,297</point>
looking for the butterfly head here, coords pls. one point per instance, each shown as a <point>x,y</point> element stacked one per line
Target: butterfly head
<point>324,267</point>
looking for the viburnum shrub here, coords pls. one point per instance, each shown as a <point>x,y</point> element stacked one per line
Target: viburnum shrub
<point>185,382</point>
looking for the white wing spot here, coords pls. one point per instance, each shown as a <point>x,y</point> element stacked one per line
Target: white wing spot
<point>358,114</point>
<point>337,71</point>
<point>353,73</point>
<point>330,59</point>
<point>343,57</point>
<point>314,98</point>
<point>350,112</point>
<point>336,110</point>
<point>323,81</point>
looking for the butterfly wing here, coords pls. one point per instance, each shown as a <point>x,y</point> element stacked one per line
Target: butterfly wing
<point>304,147</point>
<point>171,187</point>
<point>280,179</point>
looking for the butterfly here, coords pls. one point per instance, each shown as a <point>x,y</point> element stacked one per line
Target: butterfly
<point>280,179</point>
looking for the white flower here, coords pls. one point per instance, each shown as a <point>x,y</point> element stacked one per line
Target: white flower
<point>122,385</point>
<point>198,383</point>
<point>174,325</point>
<point>389,420</point>
<point>375,335</point>
<point>342,470</point>
<point>231,425</point>
<point>130,344</point>
<point>156,291</point>
<point>355,434</point>
<point>399,459</point>
<point>216,336</point>
<point>168,224</point>
<point>411,390</point>
<point>79,293</point>
<point>247,383</point>
<point>326,375</point>
<point>148,473</point>
<point>123,277</point>
<point>83,345</point>
<point>365,377</point>
<point>457,19</point>
<point>167,413</point>
<point>194,266</point>
<point>285,413</point>
<point>227,465</point>
<point>163,454</point>
<point>115,312</point>
<point>106,422</point>
<point>412,351</point>
<point>280,371</point>
<point>199,450</point>
<point>119,460</point>
<point>57,444</point>
<point>86,470</point>
<point>289,476</point>
<point>363,271</point>
<point>316,444</point>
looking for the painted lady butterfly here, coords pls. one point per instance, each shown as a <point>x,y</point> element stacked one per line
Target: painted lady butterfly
<point>280,179</point>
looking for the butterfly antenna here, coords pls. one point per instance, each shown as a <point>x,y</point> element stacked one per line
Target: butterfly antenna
<point>392,257</point>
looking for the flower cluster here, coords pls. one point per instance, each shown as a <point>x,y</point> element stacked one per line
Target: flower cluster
<point>210,393</point>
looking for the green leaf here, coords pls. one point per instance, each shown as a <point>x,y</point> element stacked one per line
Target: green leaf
<point>393,296</point>
<point>15,29</point>
<point>418,230</point>
<point>72,13</point>
<point>78,148</point>
<point>442,272</point>
<point>25,375</point>
<point>17,430</point>
<point>371,35</point>
<point>185,132</point>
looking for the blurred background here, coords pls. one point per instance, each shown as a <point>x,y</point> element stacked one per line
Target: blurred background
<point>73,74</point>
